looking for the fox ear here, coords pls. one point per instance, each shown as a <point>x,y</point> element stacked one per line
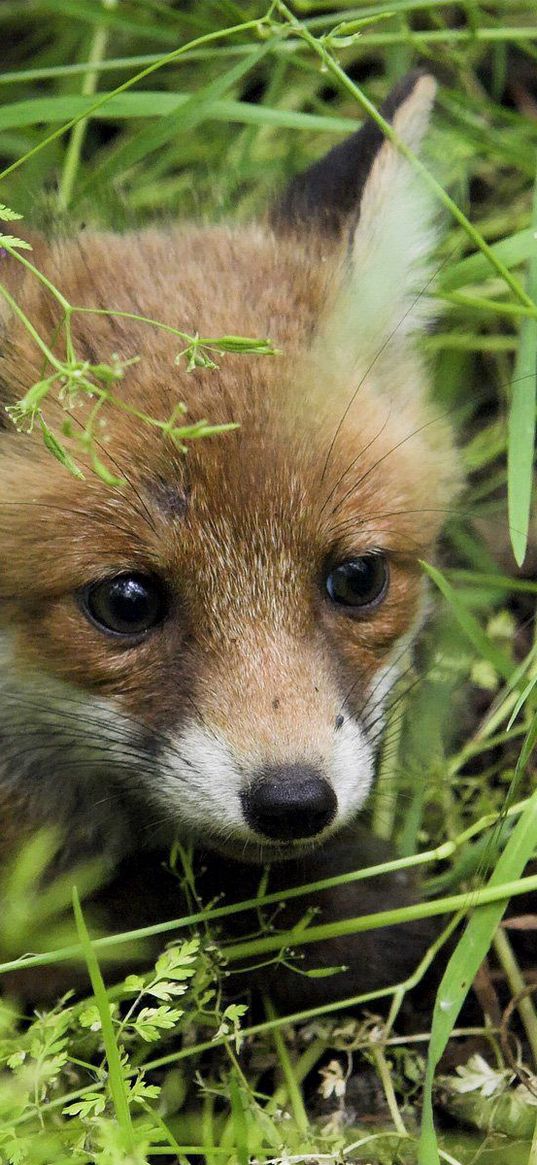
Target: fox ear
<point>326,195</point>
<point>367,191</point>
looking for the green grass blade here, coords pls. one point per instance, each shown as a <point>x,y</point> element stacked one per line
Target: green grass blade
<point>240,1126</point>
<point>185,116</point>
<point>472,629</point>
<point>115,1071</point>
<point>521,425</point>
<point>475,268</point>
<point>149,103</point>
<point>467,958</point>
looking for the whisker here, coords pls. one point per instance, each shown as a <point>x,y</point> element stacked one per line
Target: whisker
<point>353,462</point>
<point>380,460</point>
<point>382,349</point>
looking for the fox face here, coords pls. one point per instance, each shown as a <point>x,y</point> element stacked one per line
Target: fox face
<point>206,651</point>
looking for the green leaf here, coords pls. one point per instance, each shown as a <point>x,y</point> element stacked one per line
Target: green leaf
<point>521,424</point>
<point>166,990</point>
<point>156,103</point>
<point>151,1021</point>
<point>7,215</point>
<point>58,450</point>
<point>13,241</point>
<point>469,954</point>
<point>475,268</point>
<point>92,1105</point>
<point>484,647</point>
<point>178,962</point>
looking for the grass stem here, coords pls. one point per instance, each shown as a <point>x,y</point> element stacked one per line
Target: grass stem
<point>89,85</point>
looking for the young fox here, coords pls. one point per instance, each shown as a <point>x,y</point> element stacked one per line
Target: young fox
<point>206,651</point>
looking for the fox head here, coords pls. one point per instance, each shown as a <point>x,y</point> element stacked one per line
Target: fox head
<point>206,650</point>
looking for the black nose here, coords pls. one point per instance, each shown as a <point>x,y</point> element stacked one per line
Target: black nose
<point>289,802</point>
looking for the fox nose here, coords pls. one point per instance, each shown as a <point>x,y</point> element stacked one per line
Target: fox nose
<point>289,803</point>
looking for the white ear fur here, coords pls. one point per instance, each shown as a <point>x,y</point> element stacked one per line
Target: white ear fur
<point>380,298</point>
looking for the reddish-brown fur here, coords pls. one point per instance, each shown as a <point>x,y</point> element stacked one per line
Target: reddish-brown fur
<point>242,527</point>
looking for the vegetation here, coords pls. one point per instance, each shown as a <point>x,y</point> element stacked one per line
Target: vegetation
<point>122,111</point>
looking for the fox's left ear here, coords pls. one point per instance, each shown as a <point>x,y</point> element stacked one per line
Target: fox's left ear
<point>365,191</point>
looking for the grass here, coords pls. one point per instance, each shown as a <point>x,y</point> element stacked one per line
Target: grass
<point>118,113</point>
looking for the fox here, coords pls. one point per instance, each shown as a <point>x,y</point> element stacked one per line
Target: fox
<point>206,652</point>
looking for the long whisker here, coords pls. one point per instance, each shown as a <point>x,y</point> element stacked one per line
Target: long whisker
<point>388,453</point>
<point>352,463</point>
<point>382,349</point>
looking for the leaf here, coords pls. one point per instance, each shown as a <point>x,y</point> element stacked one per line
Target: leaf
<point>58,450</point>
<point>134,983</point>
<point>521,424</point>
<point>154,103</point>
<point>166,990</point>
<point>90,1018</point>
<point>475,268</point>
<point>92,1105</point>
<point>524,695</point>
<point>13,241</point>
<point>230,1024</point>
<point>7,215</point>
<point>178,962</point>
<point>153,1020</point>
<point>485,648</point>
<point>468,956</point>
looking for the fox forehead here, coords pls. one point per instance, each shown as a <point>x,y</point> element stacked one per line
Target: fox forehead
<point>276,480</point>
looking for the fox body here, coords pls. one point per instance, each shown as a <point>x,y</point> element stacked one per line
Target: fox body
<point>206,651</point>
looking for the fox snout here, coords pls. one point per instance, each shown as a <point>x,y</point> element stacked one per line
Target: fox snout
<point>289,803</point>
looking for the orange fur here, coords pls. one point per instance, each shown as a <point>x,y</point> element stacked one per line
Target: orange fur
<point>335,456</point>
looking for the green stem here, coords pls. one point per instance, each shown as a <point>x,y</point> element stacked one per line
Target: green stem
<point>293,1087</point>
<point>441,853</point>
<point>349,926</point>
<point>115,1071</point>
<point>89,85</point>
<point>525,1007</point>
<point>383,1072</point>
<point>57,364</point>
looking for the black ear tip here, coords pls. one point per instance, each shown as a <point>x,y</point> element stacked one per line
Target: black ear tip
<point>323,197</point>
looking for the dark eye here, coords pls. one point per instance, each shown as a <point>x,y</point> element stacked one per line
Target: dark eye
<point>127,604</point>
<point>359,582</point>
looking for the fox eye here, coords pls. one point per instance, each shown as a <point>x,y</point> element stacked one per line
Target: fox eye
<point>359,582</point>
<point>127,604</point>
